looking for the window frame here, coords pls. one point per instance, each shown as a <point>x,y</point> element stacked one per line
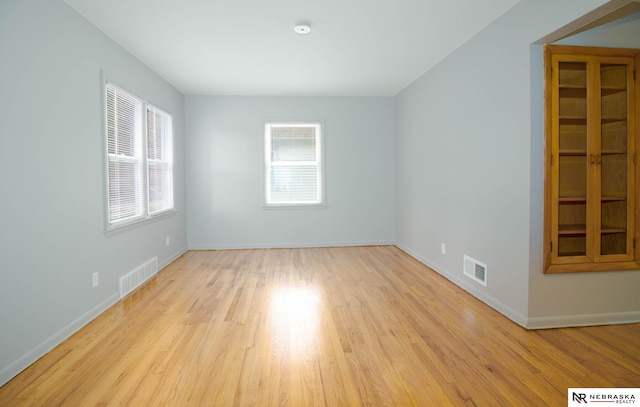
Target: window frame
<point>319,164</point>
<point>142,200</point>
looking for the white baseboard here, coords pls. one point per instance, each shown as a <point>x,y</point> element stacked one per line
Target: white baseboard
<point>29,358</point>
<point>564,321</point>
<point>288,245</point>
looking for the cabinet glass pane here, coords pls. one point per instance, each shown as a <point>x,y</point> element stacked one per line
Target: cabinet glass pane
<point>614,159</point>
<point>572,210</point>
<point>572,90</point>
<point>573,74</point>
<point>572,228</point>
<point>572,175</point>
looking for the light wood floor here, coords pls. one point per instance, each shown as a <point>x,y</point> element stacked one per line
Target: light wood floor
<point>328,327</point>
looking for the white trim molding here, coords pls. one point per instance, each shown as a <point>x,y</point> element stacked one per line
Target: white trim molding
<point>564,321</point>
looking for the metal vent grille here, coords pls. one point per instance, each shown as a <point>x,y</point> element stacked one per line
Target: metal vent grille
<point>475,270</point>
<point>136,277</point>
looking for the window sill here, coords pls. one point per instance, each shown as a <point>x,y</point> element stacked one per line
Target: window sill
<point>280,207</point>
<point>125,226</point>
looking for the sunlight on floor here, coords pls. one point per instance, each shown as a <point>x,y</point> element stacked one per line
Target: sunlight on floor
<point>295,314</point>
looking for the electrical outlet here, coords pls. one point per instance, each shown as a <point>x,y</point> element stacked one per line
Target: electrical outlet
<point>443,248</point>
<point>95,279</point>
<point>168,240</point>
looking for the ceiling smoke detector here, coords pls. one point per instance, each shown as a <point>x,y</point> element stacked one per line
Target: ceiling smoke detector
<point>302,29</point>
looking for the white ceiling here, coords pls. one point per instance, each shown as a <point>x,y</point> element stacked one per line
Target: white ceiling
<point>248,47</point>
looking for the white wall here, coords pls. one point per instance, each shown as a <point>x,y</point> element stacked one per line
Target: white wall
<point>469,171</point>
<point>52,187</point>
<point>225,173</point>
<point>583,298</point>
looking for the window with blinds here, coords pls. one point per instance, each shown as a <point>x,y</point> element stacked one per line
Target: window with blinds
<point>139,159</point>
<point>293,162</point>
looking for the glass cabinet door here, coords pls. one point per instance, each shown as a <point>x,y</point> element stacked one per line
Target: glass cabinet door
<point>614,162</point>
<point>591,170</point>
<point>572,159</point>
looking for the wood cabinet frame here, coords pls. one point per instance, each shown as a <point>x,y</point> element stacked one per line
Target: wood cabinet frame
<point>593,229</point>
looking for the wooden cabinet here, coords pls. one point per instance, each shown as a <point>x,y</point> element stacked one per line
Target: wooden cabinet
<point>591,180</point>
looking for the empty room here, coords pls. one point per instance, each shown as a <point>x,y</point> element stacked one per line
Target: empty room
<point>338,203</point>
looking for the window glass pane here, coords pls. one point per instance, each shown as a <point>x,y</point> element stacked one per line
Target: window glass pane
<point>124,115</point>
<point>159,149</point>
<point>124,190</point>
<point>159,186</point>
<point>293,144</point>
<point>294,184</point>
<point>157,134</point>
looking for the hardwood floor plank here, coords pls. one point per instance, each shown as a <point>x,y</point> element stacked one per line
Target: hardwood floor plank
<point>351,326</point>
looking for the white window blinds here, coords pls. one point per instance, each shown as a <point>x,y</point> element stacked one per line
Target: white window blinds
<point>293,164</point>
<point>139,158</point>
<point>159,160</point>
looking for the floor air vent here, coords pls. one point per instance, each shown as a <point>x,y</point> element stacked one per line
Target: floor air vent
<point>137,276</point>
<point>475,269</point>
